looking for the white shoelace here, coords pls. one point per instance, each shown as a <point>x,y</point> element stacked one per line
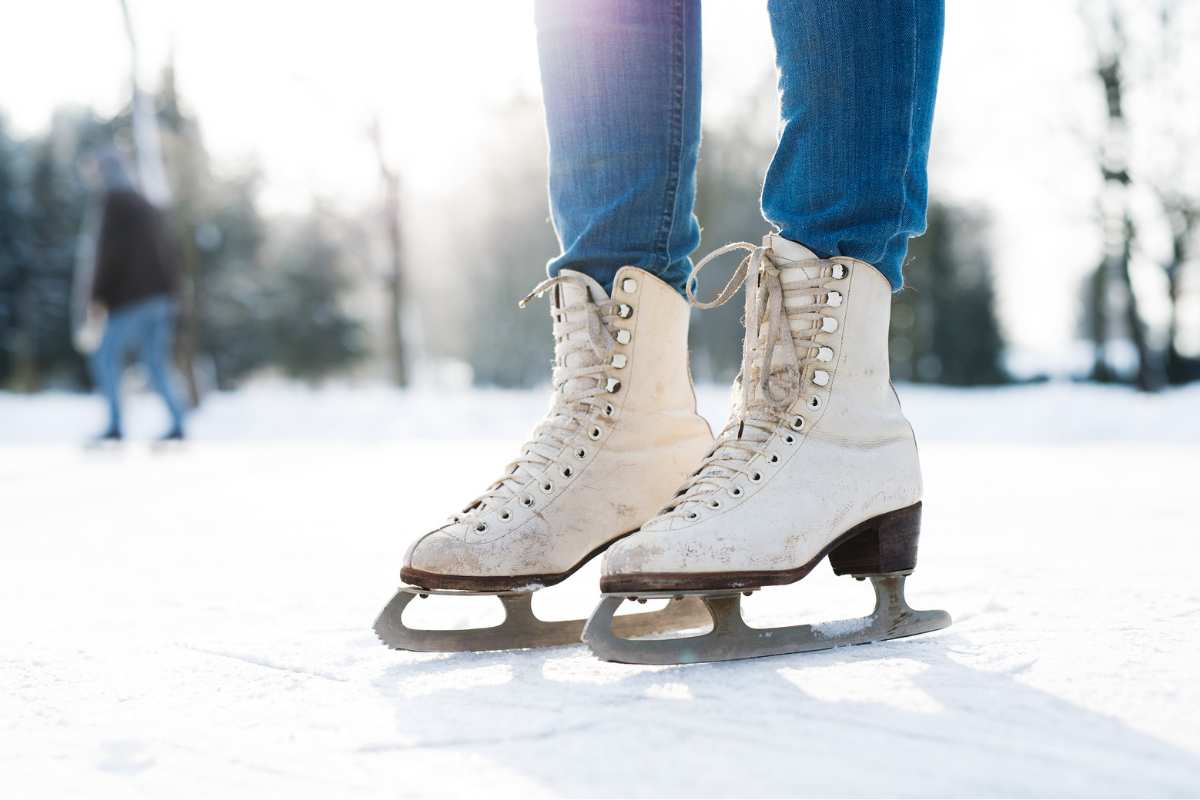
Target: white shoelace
<point>579,382</point>
<point>777,352</point>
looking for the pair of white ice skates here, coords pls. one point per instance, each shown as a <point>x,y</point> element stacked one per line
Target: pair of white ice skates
<point>816,460</point>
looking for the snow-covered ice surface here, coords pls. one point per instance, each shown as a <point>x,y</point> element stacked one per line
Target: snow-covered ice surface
<point>196,623</point>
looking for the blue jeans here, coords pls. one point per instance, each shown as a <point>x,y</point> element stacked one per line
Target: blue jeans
<point>144,326</point>
<point>621,81</point>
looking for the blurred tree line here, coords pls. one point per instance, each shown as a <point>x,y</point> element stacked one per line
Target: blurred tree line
<point>280,294</point>
<point>1147,155</point>
<point>254,293</point>
<point>419,287</point>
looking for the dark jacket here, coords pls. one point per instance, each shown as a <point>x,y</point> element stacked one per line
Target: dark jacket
<point>134,260</point>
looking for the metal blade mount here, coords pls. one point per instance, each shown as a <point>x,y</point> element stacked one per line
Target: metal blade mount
<point>521,628</point>
<point>731,638</point>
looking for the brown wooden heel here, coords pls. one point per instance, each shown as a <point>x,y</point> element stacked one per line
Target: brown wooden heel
<point>887,543</point>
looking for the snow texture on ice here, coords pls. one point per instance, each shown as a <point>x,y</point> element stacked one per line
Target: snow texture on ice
<point>196,623</point>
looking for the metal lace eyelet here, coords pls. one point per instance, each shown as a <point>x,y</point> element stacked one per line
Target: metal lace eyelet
<point>629,286</point>
<point>624,311</point>
<point>820,377</point>
<point>798,424</point>
<point>825,354</point>
<point>505,515</point>
<point>624,336</point>
<point>612,386</point>
<point>594,433</point>
<point>527,502</point>
<point>547,487</point>
<point>581,454</point>
<point>755,477</point>
<point>840,271</point>
<point>618,361</point>
<point>829,324</point>
<point>834,299</point>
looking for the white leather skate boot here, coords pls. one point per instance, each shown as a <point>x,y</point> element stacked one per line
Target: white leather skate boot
<point>817,459</point>
<point>622,432</point>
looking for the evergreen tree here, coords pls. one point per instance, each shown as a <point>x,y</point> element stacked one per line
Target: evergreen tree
<point>309,333</point>
<point>40,286</point>
<point>14,249</point>
<point>944,327</point>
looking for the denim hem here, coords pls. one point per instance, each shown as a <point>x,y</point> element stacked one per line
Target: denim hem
<point>897,280</point>
<point>662,241</point>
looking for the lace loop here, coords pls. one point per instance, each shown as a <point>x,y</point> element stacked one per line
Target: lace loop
<point>735,281</point>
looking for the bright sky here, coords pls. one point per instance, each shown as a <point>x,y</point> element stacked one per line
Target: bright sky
<point>294,84</point>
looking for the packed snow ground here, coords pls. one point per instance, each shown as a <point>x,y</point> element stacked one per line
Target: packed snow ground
<point>196,622</point>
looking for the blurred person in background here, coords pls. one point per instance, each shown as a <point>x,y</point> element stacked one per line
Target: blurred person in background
<point>133,288</point>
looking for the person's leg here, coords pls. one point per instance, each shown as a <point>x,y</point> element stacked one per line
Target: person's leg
<point>813,397</point>
<point>107,363</point>
<point>621,81</point>
<point>857,82</point>
<point>156,356</point>
<point>622,92</point>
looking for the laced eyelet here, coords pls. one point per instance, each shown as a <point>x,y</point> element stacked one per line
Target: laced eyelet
<point>623,336</point>
<point>505,515</point>
<point>840,271</point>
<point>736,491</point>
<point>814,402</point>
<point>825,354</point>
<point>566,472</point>
<point>527,502</point>
<point>629,286</point>
<point>833,299</point>
<point>624,311</point>
<point>594,433</point>
<point>618,361</point>
<point>820,377</point>
<point>612,386</point>
<point>581,454</point>
<point>798,424</point>
<point>755,477</point>
<point>609,410</point>
<point>829,324</point>
<point>547,487</point>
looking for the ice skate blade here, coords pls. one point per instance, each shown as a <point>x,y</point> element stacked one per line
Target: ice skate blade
<point>521,628</point>
<point>731,638</point>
